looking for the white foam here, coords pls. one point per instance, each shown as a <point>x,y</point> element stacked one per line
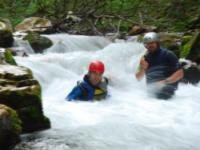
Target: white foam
<point>128,120</point>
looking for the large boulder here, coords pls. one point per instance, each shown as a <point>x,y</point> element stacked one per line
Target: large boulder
<point>38,43</point>
<point>36,24</point>
<point>21,92</point>
<point>191,48</point>
<point>10,128</point>
<point>6,36</point>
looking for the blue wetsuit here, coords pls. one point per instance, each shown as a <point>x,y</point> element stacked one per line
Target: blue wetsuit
<point>85,91</point>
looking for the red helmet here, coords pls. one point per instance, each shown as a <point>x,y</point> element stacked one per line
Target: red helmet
<point>97,66</point>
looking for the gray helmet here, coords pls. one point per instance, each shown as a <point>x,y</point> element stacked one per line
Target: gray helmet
<point>151,37</point>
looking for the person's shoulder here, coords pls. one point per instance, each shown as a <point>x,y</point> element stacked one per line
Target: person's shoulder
<point>168,52</point>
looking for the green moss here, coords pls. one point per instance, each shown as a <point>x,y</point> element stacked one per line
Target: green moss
<point>140,38</point>
<point>9,58</point>
<point>186,48</point>
<point>16,122</point>
<point>36,91</point>
<point>186,39</point>
<point>33,116</point>
<point>33,112</point>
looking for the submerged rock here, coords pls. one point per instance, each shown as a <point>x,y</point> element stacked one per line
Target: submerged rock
<point>21,92</point>
<point>10,128</point>
<point>38,42</point>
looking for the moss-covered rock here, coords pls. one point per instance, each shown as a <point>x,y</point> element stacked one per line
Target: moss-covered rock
<point>192,75</point>
<point>9,57</point>
<point>21,92</point>
<point>6,57</point>
<point>6,36</point>
<point>37,42</point>
<point>35,24</point>
<point>191,48</point>
<point>10,127</point>
<point>191,71</point>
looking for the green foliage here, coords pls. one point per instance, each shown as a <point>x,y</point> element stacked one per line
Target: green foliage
<point>186,48</point>
<point>171,15</point>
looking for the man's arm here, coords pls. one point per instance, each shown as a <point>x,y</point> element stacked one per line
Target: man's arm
<point>74,94</point>
<point>176,76</point>
<point>142,68</point>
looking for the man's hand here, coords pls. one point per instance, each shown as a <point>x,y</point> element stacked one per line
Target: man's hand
<point>142,68</point>
<point>143,64</point>
<point>160,84</point>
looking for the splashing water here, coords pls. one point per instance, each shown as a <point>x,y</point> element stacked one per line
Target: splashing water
<point>128,120</point>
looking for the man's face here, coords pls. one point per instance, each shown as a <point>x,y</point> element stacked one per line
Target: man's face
<point>95,77</point>
<point>152,46</point>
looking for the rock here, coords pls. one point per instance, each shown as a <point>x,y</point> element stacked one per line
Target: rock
<point>10,128</point>
<point>37,42</point>
<point>21,92</point>
<point>191,48</point>
<point>36,24</point>
<point>191,71</point>
<point>6,57</point>
<point>72,18</point>
<point>6,36</point>
<point>171,41</point>
<point>138,29</point>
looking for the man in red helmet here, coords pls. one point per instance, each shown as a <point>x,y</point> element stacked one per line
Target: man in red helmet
<point>93,86</point>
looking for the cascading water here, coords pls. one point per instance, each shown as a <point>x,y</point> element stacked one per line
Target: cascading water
<point>127,120</point>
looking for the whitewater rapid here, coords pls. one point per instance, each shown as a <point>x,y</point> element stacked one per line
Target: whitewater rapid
<point>128,120</point>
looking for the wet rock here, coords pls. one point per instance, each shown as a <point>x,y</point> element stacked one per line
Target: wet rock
<point>22,93</point>
<point>38,42</point>
<point>137,29</point>
<point>71,17</point>
<point>191,48</point>
<point>10,128</point>
<point>191,71</point>
<point>6,36</point>
<point>35,24</point>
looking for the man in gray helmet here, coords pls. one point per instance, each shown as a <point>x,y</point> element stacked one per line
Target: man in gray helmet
<point>161,68</point>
